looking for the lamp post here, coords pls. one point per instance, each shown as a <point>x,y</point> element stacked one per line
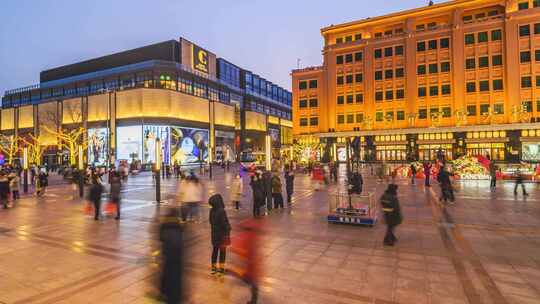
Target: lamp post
<point>81,170</point>
<point>158,169</point>
<point>268,152</point>
<point>210,162</point>
<point>25,169</point>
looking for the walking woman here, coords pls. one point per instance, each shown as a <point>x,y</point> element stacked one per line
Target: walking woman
<point>220,231</point>
<point>95,195</point>
<point>116,187</point>
<point>257,188</point>
<point>392,213</point>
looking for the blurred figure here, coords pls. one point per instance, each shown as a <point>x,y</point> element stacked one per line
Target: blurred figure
<point>413,174</point>
<point>96,189</point>
<point>257,188</point>
<point>4,189</point>
<point>427,173</point>
<point>289,183</point>
<point>447,191</point>
<point>220,233</point>
<point>519,181</point>
<point>116,187</point>
<point>277,194</point>
<point>172,238</point>
<point>356,183</point>
<point>392,213</point>
<point>14,186</point>
<point>248,245</point>
<point>43,181</point>
<point>267,188</point>
<point>191,194</point>
<point>493,174</point>
<point>237,189</point>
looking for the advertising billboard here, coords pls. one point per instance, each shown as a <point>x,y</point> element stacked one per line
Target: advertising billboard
<point>530,151</point>
<point>188,145</point>
<point>150,134</point>
<point>129,143</point>
<point>98,146</point>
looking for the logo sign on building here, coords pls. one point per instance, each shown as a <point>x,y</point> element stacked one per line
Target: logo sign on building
<point>200,59</point>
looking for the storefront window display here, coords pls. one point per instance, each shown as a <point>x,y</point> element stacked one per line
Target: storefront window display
<point>494,150</point>
<point>98,146</point>
<point>188,145</point>
<point>150,134</point>
<point>530,151</point>
<point>429,152</point>
<point>129,142</point>
<point>225,147</point>
<point>391,152</point>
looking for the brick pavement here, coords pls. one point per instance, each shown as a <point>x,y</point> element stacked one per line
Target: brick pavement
<point>484,249</point>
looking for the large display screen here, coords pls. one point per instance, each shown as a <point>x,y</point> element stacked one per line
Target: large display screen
<point>150,134</point>
<point>129,142</point>
<point>530,151</point>
<point>188,145</point>
<point>98,140</point>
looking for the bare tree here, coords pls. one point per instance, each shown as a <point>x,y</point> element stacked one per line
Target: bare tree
<point>35,148</point>
<point>8,146</point>
<point>69,140</point>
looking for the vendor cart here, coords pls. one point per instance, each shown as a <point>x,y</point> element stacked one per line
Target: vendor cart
<point>357,209</point>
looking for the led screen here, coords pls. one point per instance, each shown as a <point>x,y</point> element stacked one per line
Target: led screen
<point>98,146</point>
<point>188,145</point>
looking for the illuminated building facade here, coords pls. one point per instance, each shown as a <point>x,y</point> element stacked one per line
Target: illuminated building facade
<point>461,77</point>
<point>199,105</point>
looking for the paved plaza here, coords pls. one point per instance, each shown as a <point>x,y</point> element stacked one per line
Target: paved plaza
<point>483,249</point>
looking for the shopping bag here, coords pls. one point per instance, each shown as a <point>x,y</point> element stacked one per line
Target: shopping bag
<point>88,209</point>
<point>110,208</point>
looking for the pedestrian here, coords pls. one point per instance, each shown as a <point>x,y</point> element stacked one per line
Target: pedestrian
<point>392,213</point>
<point>96,189</point>
<point>277,191</point>
<point>191,196</point>
<point>171,235</point>
<point>237,188</point>
<point>493,175</point>
<point>116,187</point>
<point>257,188</point>
<point>248,249</point>
<point>427,173</point>
<point>220,233</point>
<point>4,189</point>
<point>14,186</point>
<point>267,188</point>
<point>413,173</point>
<point>289,183</point>
<point>519,181</point>
<point>447,191</point>
<point>43,181</point>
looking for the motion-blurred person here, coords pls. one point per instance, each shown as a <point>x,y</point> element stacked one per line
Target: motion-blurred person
<point>191,194</point>
<point>427,173</point>
<point>247,248</point>
<point>43,181</point>
<point>289,183</point>
<point>277,193</point>
<point>116,187</point>
<point>96,189</point>
<point>519,181</point>
<point>413,173</point>
<point>392,213</point>
<point>4,189</point>
<point>14,185</point>
<point>493,174</point>
<point>171,236</point>
<point>267,188</point>
<point>447,191</point>
<point>257,188</point>
<point>237,188</point>
<point>220,233</point>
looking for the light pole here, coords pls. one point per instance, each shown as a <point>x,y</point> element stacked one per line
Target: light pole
<point>81,170</point>
<point>158,168</point>
<point>25,169</point>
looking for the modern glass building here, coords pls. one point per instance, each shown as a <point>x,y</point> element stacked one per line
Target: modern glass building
<point>196,103</point>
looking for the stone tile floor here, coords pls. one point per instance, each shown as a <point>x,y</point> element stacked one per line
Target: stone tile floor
<point>483,249</point>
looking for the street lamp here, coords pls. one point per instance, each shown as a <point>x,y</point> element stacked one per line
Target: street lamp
<point>25,169</point>
<point>158,168</point>
<point>81,170</point>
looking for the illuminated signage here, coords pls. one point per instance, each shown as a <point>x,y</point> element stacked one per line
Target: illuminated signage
<point>200,59</point>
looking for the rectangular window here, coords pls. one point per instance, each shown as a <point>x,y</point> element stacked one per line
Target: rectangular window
<point>378,75</point>
<point>483,62</point>
<point>480,16</point>
<point>313,103</point>
<point>470,63</point>
<point>302,85</point>
<point>484,108</point>
<point>357,36</point>
<point>378,96</point>
<point>484,85</point>
<point>421,91</point>
<point>467,18</point>
<point>432,25</point>
<point>350,99</point>
<point>348,38</point>
<point>389,74</point>
<point>359,98</point>
<point>471,87</point>
<point>340,99</point>
<point>400,115</point>
<point>471,110</point>
<point>378,53</point>
<point>339,59</point>
<point>359,117</point>
<point>388,33</point>
<point>302,103</point>
<point>446,112</point>
<point>523,5</point>
<point>527,105</point>
<point>445,43</point>
<point>445,89</point>
<point>313,84</point>
<point>339,40</point>
<point>349,79</point>
<point>379,116</point>
<point>348,58</point>
<point>496,60</point>
<point>497,84</point>
<point>303,122</point>
<point>525,56</point>
<point>388,52</point>
<point>445,67</point>
<point>524,30</point>
<point>341,119</point>
<point>339,80</point>
<point>400,94</point>
<point>399,50</point>
<point>421,46</point>
<point>433,68</point>
<point>537,28</point>
<point>422,113</point>
<point>498,108</point>
<point>526,82</point>
<point>469,39</point>
<point>432,44</point>
<point>420,27</point>
<point>314,121</point>
<point>421,69</point>
<point>389,115</point>
<point>389,95</point>
<point>350,118</point>
<point>496,35</point>
<point>434,91</point>
<point>400,72</point>
<point>359,77</point>
<point>482,37</point>
<point>537,55</point>
<point>358,56</point>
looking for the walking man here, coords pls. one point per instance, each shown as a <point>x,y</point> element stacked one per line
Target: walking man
<point>413,174</point>
<point>289,183</point>
<point>392,213</point>
<point>493,174</point>
<point>519,181</point>
<point>427,173</point>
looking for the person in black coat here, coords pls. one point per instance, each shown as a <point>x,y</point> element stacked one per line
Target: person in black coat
<point>519,181</point>
<point>259,197</point>
<point>267,188</point>
<point>4,189</point>
<point>356,183</point>
<point>447,192</point>
<point>392,213</point>
<point>289,183</point>
<point>220,232</point>
<point>116,187</point>
<point>172,238</point>
<point>96,189</point>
